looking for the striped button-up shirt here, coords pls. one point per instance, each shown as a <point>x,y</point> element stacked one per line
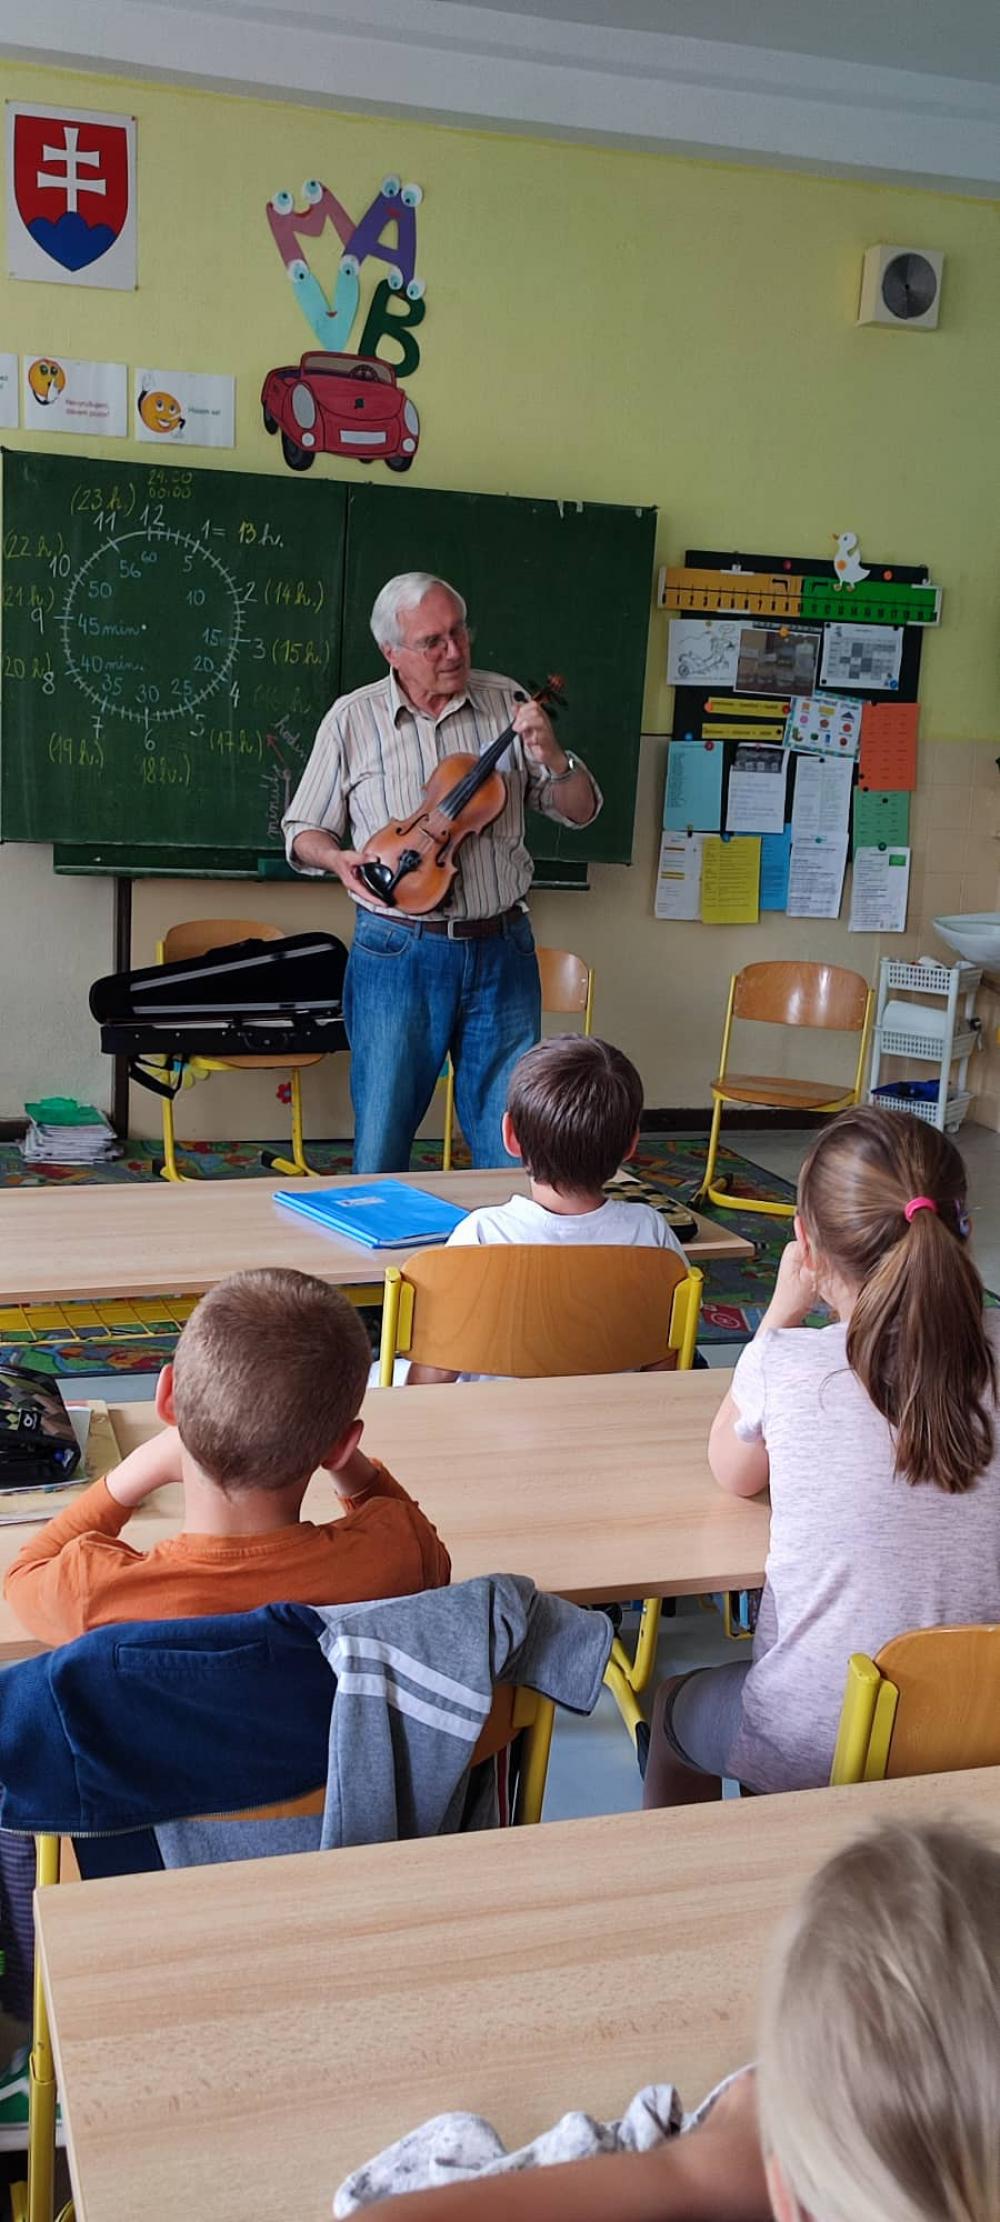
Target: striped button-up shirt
<point>372,757</point>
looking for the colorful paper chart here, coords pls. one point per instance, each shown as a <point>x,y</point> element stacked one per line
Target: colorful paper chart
<point>889,746</point>
<point>678,880</point>
<point>824,724</point>
<point>879,891</point>
<point>730,881</point>
<point>775,858</point>
<point>693,800</point>
<point>881,819</point>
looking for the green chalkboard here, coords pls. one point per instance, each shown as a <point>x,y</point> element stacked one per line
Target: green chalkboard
<point>551,586</point>
<point>171,639</point>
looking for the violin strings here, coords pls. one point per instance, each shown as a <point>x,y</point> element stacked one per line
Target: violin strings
<point>467,786</point>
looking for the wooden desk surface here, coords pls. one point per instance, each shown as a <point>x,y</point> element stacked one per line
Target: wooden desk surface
<point>159,1239</point>
<point>232,2041</point>
<point>597,1487</point>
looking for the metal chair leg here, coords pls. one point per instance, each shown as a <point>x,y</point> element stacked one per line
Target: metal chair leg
<point>644,1656</point>
<point>617,1681</point>
<point>535,1765</point>
<point>719,1196</point>
<point>170,1170</point>
<point>448,1137</point>
<point>716,1190</point>
<point>298,1164</point>
<point>41,2073</point>
<point>705,1189</point>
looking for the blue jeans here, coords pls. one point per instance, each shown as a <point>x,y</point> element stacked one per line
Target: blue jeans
<point>410,997</point>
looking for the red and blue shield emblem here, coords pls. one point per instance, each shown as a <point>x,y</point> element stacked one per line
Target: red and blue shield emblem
<point>71,185</point>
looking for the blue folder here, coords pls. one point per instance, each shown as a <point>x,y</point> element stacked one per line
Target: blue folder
<point>382,1214</point>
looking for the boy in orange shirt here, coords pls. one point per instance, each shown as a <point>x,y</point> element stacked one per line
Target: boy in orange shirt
<point>266,1386</point>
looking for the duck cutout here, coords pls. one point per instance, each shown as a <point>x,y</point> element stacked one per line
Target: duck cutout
<point>847,562</point>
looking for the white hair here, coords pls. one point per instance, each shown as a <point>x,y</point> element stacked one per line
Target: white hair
<point>405,592</point>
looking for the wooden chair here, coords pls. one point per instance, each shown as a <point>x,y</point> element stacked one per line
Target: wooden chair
<point>516,1711</point>
<point>821,996</point>
<point>567,989</point>
<point>194,938</point>
<point>929,1704</point>
<point>530,1311</point>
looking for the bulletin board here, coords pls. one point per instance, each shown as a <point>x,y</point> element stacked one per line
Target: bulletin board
<point>793,750</point>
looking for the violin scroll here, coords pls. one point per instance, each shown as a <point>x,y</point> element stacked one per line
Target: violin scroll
<point>551,696</point>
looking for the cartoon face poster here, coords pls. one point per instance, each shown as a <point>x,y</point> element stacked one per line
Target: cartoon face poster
<point>337,400</point>
<point>184,408</point>
<point>71,196</point>
<point>60,394</point>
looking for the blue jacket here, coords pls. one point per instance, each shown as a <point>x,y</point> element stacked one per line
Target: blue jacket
<point>152,1722</point>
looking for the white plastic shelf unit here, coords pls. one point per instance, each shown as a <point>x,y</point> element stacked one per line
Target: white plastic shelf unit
<point>941,1032</point>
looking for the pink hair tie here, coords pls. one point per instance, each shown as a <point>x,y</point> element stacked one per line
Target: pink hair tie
<point>918,1203</point>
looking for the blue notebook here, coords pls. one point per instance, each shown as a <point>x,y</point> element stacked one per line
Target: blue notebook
<point>383,1215</point>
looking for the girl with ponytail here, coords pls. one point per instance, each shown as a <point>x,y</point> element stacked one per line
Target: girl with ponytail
<point>878,1437</point>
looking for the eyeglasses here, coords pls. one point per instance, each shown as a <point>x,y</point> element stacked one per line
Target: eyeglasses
<point>431,643</point>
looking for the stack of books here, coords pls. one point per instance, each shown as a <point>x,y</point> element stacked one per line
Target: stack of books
<point>64,1132</point>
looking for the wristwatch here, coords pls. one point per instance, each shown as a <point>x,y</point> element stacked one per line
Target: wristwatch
<point>573,764</point>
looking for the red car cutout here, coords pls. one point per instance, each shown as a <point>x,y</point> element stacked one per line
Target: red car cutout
<point>340,405</point>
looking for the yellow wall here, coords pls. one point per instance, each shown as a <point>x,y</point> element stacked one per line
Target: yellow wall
<point>606,326</point>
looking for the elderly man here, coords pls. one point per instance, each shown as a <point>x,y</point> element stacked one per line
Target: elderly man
<point>464,980</point>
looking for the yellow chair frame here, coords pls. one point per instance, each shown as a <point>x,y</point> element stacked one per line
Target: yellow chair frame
<point>567,988</point>
<point>926,1705</point>
<point>532,1290</point>
<point>823,998</point>
<point>628,1678</point>
<point>33,2201</point>
<point>195,937</point>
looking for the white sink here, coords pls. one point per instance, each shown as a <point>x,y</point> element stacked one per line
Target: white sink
<point>976,936</point>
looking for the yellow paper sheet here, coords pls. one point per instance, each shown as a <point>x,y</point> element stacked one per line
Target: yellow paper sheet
<point>747,706</point>
<point>774,732</point>
<point>730,880</point>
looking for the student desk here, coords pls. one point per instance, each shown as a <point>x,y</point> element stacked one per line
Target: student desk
<point>159,1239</point>
<point>231,2041</point>
<point>597,1487</point>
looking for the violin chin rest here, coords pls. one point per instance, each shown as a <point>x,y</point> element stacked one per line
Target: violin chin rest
<point>378,879</point>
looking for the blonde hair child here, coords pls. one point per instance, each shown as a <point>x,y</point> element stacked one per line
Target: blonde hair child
<point>877,2092</point>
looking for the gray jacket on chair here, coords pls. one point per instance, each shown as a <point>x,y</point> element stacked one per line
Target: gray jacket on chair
<point>414,1680</point>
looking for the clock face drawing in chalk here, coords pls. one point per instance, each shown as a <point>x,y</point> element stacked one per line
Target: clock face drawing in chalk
<point>124,610</point>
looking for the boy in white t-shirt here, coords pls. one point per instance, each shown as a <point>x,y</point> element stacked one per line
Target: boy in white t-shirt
<point>572,1117</point>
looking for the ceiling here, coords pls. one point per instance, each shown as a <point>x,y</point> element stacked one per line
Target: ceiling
<point>944,38</point>
<point>902,90</point>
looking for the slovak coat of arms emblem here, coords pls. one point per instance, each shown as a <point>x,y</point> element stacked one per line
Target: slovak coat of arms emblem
<point>71,196</point>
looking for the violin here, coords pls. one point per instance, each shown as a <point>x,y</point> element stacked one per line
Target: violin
<point>411,865</point>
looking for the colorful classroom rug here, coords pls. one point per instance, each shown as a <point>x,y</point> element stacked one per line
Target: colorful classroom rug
<point>138,1337</point>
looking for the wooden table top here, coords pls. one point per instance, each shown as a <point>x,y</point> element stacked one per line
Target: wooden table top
<point>232,2041</point>
<point>157,1238</point>
<point>598,1487</point>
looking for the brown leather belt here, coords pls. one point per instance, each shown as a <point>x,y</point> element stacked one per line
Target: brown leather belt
<point>457,929</point>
